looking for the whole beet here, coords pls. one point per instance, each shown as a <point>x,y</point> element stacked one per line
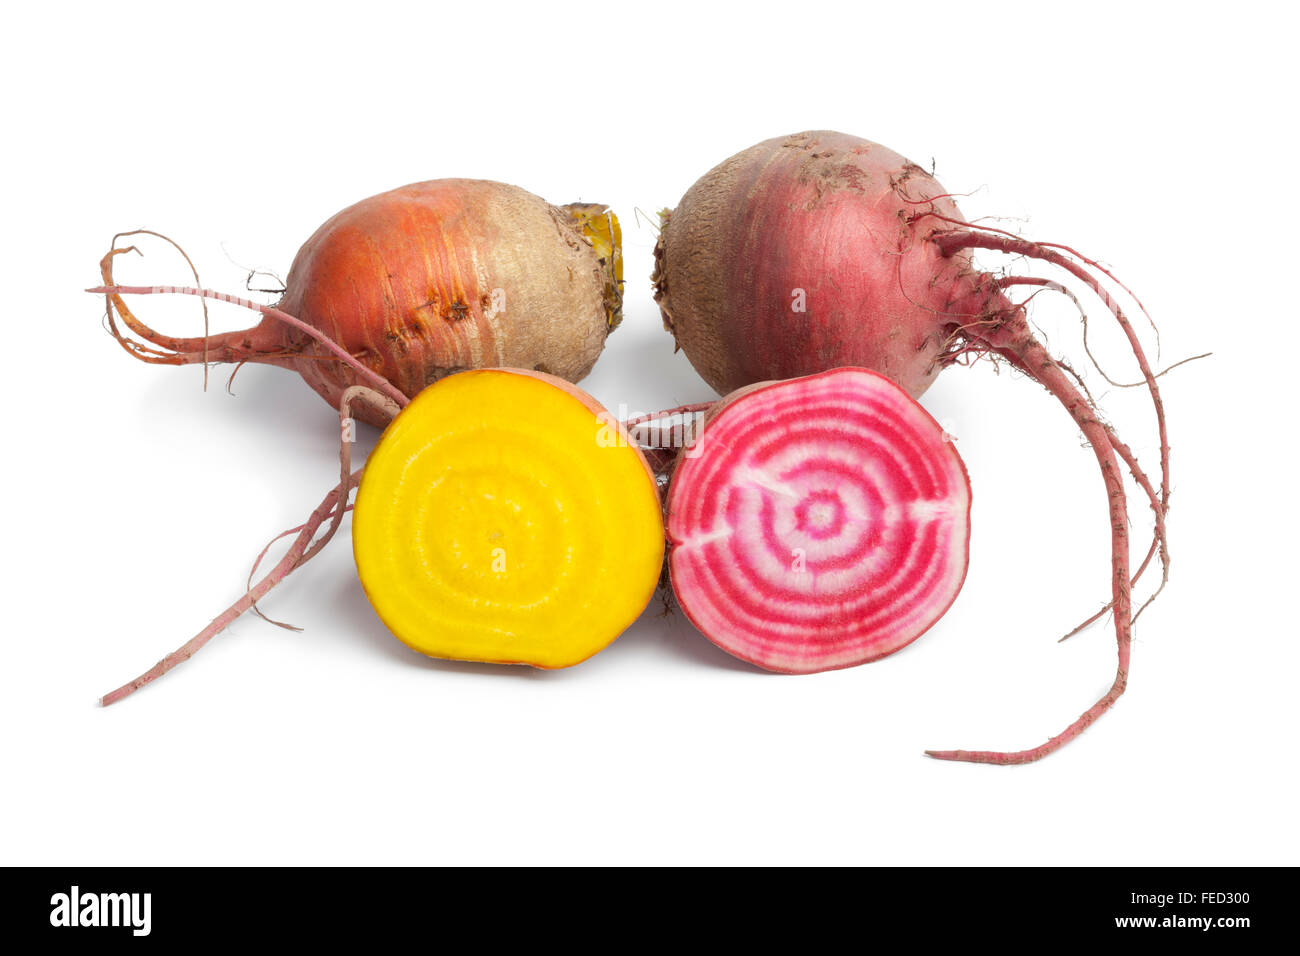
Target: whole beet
<point>762,271</point>
<point>426,280</point>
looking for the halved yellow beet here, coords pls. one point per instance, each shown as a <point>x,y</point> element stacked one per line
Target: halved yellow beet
<point>504,516</point>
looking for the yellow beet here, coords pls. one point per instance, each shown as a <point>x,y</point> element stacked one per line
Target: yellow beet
<point>503,516</point>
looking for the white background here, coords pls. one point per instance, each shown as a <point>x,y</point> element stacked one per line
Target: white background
<point>1158,137</point>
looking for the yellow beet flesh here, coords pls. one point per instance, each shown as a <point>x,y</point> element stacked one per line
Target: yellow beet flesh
<point>499,519</point>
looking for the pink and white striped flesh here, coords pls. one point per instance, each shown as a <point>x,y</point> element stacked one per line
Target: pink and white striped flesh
<point>818,523</point>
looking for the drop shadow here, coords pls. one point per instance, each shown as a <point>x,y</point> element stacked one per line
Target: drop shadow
<point>267,399</point>
<point>674,636</point>
<point>273,418</point>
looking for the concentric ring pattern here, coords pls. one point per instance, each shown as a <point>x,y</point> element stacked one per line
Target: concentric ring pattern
<point>493,524</point>
<point>819,523</point>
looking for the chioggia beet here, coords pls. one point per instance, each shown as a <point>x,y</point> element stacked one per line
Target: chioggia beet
<point>818,250</point>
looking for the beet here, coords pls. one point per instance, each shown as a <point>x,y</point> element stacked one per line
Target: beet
<point>818,250</point>
<point>818,523</point>
<point>426,280</point>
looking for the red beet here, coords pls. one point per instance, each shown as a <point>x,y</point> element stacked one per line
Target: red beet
<point>818,523</point>
<point>778,263</point>
<point>819,250</point>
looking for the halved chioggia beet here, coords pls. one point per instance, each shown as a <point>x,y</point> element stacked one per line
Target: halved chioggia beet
<point>818,523</point>
<point>505,516</point>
